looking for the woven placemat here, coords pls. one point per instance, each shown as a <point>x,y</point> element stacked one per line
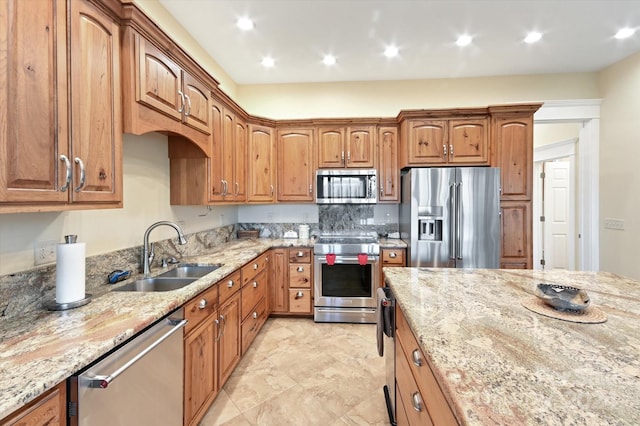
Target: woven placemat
<point>590,315</point>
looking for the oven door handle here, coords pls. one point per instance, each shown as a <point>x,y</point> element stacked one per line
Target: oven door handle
<point>346,259</point>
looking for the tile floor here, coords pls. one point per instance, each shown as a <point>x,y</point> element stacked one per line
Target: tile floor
<point>298,372</point>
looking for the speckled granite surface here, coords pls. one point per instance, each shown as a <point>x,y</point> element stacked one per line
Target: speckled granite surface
<point>40,349</point>
<point>499,363</point>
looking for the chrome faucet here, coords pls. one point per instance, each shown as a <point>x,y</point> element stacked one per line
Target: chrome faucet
<point>147,251</point>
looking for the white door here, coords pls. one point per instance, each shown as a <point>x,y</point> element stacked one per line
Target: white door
<point>558,213</point>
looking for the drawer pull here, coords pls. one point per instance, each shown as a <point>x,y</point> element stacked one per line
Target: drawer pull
<point>255,315</point>
<point>416,399</point>
<point>300,254</point>
<point>255,266</point>
<point>417,358</point>
<point>393,255</point>
<point>300,269</point>
<point>299,295</point>
<point>202,304</point>
<point>255,284</point>
<point>230,283</point>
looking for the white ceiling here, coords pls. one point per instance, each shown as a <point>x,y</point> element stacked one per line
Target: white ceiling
<point>577,37</point>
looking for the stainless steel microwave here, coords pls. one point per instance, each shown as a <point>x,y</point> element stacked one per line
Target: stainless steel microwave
<point>346,186</point>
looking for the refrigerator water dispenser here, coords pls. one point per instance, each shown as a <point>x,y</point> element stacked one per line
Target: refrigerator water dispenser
<point>430,229</point>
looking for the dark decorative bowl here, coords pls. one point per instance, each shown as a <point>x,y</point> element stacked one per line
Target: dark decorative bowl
<point>562,297</point>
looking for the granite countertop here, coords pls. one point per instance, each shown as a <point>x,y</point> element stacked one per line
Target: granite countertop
<point>499,363</point>
<point>41,349</point>
<point>392,243</point>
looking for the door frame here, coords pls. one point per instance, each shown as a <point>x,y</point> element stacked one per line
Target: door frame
<point>542,154</point>
<point>587,113</point>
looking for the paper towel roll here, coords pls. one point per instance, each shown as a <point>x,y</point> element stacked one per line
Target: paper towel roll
<point>70,268</point>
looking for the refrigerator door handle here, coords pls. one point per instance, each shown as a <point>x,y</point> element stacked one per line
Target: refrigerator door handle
<point>452,221</point>
<point>458,223</point>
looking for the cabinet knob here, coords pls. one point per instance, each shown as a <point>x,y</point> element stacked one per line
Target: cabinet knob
<point>255,266</point>
<point>416,399</point>
<point>299,295</point>
<point>300,254</point>
<point>255,315</point>
<point>417,358</point>
<point>230,283</point>
<point>255,284</point>
<point>300,269</point>
<point>202,304</point>
<point>393,255</point>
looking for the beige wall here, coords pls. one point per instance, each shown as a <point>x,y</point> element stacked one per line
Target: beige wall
<point>548,133</point>
<point>620,166</point>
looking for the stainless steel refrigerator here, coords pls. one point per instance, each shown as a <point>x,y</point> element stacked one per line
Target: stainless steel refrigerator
<point>450,217</point>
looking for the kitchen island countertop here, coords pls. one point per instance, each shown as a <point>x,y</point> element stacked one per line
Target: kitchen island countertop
<point>499,363</point>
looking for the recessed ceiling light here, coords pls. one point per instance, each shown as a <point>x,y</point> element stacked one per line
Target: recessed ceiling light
<point>464,40</point>
<point>268,62</point>
<point>391,51</point>
<point>245,24</point>
<point>625,32</point>
<point>532,37</point>
<point>329,60</point>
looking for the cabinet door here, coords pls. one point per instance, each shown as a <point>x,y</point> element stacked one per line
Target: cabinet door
<point>278,285</point>
<point>513,141</point>
<point>240,163</point>
<point>361,147</point>
<point>158,80</point>
<point>229,343</point>
<point>49,408</point>
<point>516,235</point>
<point>388,173</point>
<point>295,165</point>
<point>216,162</point>
<point>33,102</point>
<point>228,154</point>
<point>261,164</point>
<point>427,141</point>
<point>200,374</point>
<point>197,109</point>
<point>468,141</point>
<point>96,116</point>
<point>331,147</point>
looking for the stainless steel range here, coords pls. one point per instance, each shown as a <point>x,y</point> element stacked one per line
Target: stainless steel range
<point>346,278</point>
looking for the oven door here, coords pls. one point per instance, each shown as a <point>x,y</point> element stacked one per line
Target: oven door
<point>346,283</point>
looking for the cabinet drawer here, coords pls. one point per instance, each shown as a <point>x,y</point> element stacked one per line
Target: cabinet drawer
<point>300,275</point>
<point>229,286</point>
<point>300,301</point>
<point>253,268</point>
<point>252,324</point>
<point>253,292</point>
<point>393,257</point>
<point>200,307</point>
<point>433,398</point>
<point>409,395</point>
<point>48,409</point>
<point>300,255</point>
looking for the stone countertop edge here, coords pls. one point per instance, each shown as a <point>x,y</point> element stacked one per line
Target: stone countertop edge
<point>41,349</point>
<point>496,362</point>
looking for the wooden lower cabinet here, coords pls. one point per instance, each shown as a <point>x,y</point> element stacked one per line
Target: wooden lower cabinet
<point>200,370</point>
<point>254,309</point>
<point>418,393</point>
<point>229,350</point>
<point>391,257</point>
<point>291,286</point>
<point>278,287</point>
<point>48,409</point>
<point>516,224</point>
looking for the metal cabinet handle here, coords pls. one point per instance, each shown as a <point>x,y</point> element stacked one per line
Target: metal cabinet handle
<point>417,358</point>
<point>299,295</point>
<point>348,156</point>
<point>255,284</point>
<point>67,180</point>
<point>381,190</point>
<point>102,382</point>
<point>310,189</point>
<point>444,150</point>
<point>300,269</point>
<point>450,149</point>
<point>202,304</point>
<point>83,174</point>
<point>255,315</point>
<point>342,157</point>
<point>300,254</point>
<point>237,190</point>
<point>230,283</point>
<point>393,255</point>
<point>188,112</point>
<point>271,190</point>
<point>221,329</point>
<point>417,401</point>
<point>181,109</point>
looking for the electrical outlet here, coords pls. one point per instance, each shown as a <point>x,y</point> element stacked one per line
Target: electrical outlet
<point>614,224</point>
<point>44,252</point>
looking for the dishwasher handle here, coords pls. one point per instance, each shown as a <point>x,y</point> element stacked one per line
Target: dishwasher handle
<point>103,381</point>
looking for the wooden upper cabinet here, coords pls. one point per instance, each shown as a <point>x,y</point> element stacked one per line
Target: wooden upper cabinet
<point>197,104</point>
<point>46,163</point>
<point>388,173</point>
<point>96,117</point>
<point>262,164</point>
<point>295,165</point>
<point>426,141</point>
<point>468,141</point>
<point>513,141</point>
<point>240,161</point>
<point>216,162</point>
<point>352,147</point>
<point>516,231</point>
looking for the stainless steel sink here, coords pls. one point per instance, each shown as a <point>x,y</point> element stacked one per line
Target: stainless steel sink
<point>156,284</point>
<point>191,271</point>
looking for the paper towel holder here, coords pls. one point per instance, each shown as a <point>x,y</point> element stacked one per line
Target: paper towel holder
<point>55,306</point>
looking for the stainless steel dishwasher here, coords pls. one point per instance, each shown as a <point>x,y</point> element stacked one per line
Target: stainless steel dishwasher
<point>139,383</point>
